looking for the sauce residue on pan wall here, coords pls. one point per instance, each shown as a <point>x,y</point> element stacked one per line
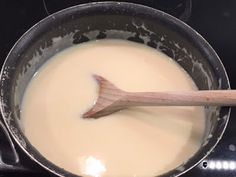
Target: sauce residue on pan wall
<point>140,141</point>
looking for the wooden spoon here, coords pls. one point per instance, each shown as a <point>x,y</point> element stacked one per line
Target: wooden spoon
<point>112,99</point>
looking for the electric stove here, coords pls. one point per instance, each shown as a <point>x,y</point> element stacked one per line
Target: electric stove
<point>215,20</point>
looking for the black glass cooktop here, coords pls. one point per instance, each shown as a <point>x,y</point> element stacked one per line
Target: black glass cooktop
<point>215,20</point>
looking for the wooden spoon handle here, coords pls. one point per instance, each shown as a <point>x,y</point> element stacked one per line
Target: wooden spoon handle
<point>183,98</point>
<point>112,99</point>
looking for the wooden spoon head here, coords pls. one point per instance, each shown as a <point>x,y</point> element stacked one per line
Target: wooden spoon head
<point>107,101</point>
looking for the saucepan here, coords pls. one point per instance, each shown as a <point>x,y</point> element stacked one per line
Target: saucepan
<point>117,20</point>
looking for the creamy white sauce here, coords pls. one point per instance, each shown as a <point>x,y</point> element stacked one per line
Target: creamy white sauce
<point>141,141</point>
